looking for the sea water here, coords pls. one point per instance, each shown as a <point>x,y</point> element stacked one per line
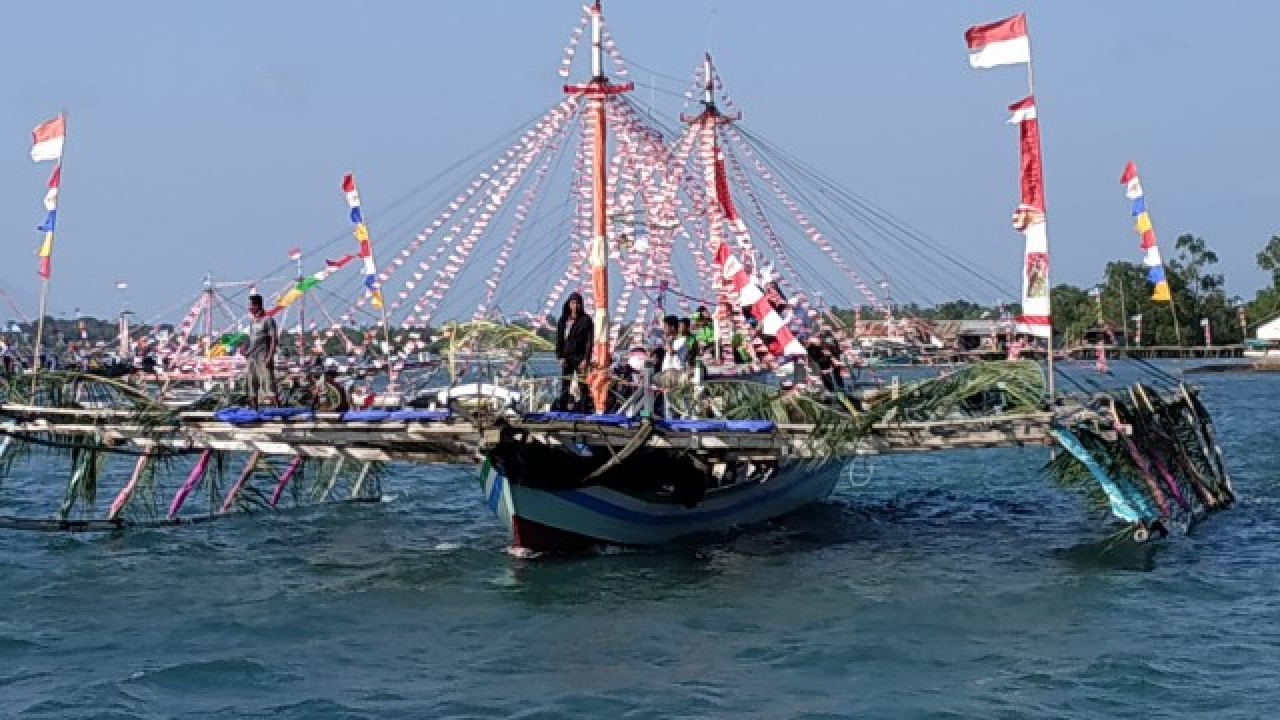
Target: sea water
<point>934,586</point>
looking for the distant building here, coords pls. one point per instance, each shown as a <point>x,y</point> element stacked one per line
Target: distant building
<point>1269,330</point>
<point>986,335</point>
<point>1266,342</point>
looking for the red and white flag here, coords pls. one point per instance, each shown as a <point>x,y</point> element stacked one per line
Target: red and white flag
<point>47,139</point>
<point>295,254</point>
<point>1132,185</point>
<point>1022,111</point>
<point>999,43</point>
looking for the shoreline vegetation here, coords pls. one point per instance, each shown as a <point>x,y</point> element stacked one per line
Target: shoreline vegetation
<point>1120,301</point>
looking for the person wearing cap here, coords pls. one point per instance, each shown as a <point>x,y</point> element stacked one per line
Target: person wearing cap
<point>260,377</point>
<point>329,395</point>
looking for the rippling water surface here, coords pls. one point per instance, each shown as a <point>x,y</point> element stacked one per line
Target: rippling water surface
<point>941,586</point>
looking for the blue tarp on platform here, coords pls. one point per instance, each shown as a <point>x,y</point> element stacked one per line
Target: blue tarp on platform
<point>760,426</point>
<point>249,416</point>
<point>611,420</point>
<point>693,425</point>
<point>420,415</point>
<point>366,416</point>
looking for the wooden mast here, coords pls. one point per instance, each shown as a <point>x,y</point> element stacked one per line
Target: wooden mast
<point>707,120</point>
<point>596,91</point>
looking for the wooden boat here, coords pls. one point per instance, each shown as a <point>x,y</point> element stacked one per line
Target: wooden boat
<point>653,497</point>
<point>567,491</point>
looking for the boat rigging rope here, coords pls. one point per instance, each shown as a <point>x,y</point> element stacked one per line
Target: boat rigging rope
<point>636,442</point>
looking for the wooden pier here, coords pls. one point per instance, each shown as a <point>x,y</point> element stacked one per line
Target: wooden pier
<point>1166,352</point>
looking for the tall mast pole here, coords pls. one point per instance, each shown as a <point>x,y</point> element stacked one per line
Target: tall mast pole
<point>208,309</point>
<point>35,366</point>
<point>45,272</point>
<point>596,91</point>
<point>1051,382</point>
<point>302,317</point>
<point>710,118</point>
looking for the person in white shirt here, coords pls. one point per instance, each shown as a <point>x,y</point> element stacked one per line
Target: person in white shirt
<point>675,359</point>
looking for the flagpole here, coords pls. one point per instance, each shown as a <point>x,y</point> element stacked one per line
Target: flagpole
<point>1031,92</point>
<point>1173,300</point>
<point>302,317</point>
<point>386,339</point>
<point>376,290</point>
<point>45,277</point>
<point>386,324</point>
<point>35,364</point>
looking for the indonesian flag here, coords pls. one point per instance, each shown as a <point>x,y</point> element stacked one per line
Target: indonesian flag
<point>295,254</point>
<point>47,139</point>
<point>999,43</point>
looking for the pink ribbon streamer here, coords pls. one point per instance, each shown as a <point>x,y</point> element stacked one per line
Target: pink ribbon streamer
<point>197,474</point>
<point>294,464</point>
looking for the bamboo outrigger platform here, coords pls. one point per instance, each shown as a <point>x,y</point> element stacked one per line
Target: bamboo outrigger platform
<point>464,441</point>
<point>1149,458</point>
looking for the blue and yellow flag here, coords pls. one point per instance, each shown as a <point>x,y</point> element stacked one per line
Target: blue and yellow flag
<point>1142,225</point>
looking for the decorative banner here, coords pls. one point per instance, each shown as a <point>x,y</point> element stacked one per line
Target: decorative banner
<point>750,295</point>
<point>1142,225</point>
<point>307,283</point>
<point>361,233</point>
<point>1029,219</point>
<point>814,235</point>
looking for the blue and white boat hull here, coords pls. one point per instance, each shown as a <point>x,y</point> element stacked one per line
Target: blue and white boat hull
<point>549,520</point>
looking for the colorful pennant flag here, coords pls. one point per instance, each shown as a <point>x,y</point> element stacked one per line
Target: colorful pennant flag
<point>307,283</point>
<point>361,233</point>
<point>999,43</point>
<point>47,139</point>
<point>1147,235</point>
<point>45,253</point>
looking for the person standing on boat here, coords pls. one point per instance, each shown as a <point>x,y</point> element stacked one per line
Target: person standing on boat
<point>704,332</point>
<point>675,349</point>
<point>574,336</point>
<point>263,339</point>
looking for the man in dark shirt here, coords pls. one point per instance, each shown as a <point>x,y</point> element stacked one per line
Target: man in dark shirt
<point>261,353</point>
<point>574,338</point>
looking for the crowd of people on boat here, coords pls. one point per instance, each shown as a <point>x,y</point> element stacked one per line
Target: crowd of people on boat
<point>680,350</point>
<point>687,347</point>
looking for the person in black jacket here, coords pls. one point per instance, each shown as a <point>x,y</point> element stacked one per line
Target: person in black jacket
<point>574,336</point>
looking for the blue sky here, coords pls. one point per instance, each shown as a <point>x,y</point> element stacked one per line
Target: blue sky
<point>212,136</point>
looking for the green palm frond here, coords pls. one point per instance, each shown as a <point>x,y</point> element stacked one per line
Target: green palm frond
<point>87,463</point>
<point>834,431</point>
<point>989,388</point>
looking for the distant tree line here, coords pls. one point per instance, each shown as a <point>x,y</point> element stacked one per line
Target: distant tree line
<point>1198,290</point>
